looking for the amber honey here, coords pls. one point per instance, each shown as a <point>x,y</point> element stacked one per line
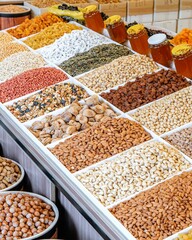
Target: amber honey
<point>116,29</point>
<point>94,21</point>
<point>160,49</point>
<point>138,38</point>
<point>182,55</point>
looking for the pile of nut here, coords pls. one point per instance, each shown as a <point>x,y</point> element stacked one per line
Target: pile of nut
<point>185,236</point>
<point>120,70</point>
<point>146,89</point>
<point>159,212</point>
<point>132,171</point>
<point>47,100</point>
<point>74,119</point>
<point>182,140</point>
<point>23,215</point>
<point>101,141</point>
<point>168,113</point>
<point>10,173</point>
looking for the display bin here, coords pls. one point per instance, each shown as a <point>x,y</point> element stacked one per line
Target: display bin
<point>185,10</point>
<point>140,11</point>
<point>81,5</point>
<point>166,10</point>
<point>110,9</point>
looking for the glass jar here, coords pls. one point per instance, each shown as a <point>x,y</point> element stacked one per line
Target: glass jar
<point>182,56</point>
<point>160,49</point>
<point>116,29</point>
<point>138,37</point>
<point>93,19</point>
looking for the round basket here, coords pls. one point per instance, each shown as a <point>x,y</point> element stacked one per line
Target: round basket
<point>49,233</point>
<point>11,19</point>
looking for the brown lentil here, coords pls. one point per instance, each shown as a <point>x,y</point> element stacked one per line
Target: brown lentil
<point>146,89</point>
<point>23,216</point>
<point>47,100</point>
<point>168,113</point>
<point>93,58</point>
<point>50,34</point>
<point>5,38</point>
<point>118,71</point>
<point>34,25</point>
<point>74,119</point>
<point>182,140</point>
<point>30,81</point>
<point>132,171</point>
<point>44,3</point>
<point>10,173</point>
<point>16,64</point>
<point>159,212</point>
<point>103,140</point>
<point>10,48</point>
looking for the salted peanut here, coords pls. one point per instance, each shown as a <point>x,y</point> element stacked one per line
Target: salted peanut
<point>159,212</point>
<point>132,171</point>
<point>101,141</point>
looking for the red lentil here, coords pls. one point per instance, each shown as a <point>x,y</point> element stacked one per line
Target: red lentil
<point>30,81</point>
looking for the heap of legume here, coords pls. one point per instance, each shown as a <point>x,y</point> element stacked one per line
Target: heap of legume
<point>23,216</point>
<point>30,81</point>
<point>18,63</point>
<point>10,173</point>
<point>44,3</point>
<point>5,38</point>
<point>185,236</point>
<point>74,119</point>
<point>146,89</point>
<point>117,72</point>
<point>10,48</point>
<point>159,212</point>
<point>50,34</point>
<point>93,58</point>
<point>34,25</point>
<point>101,141</point>
<point>167,113</point>
<point>12,9</point>
<point>132,171</point>
<point>47,100</point>
<point>71,44</point>
<point>182,140</point>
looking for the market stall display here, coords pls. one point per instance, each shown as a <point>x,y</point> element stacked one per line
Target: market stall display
<point>116,145</point>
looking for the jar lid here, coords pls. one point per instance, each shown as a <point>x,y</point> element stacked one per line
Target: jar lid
<point>88,9</point>
<point>113,19</point>
<point>181,49</point>
<point>135,29</point>
<point>157,39</point>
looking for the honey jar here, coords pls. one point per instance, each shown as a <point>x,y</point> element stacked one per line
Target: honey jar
<point>116,29</point>
<point>182,56</point>
<point>138,37</point>
<point>160,49</point>
<point>93,19</point>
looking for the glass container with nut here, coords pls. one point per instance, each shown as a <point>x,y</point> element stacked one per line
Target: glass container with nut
<point>116,28</point>
<point>93,18</point>
<point>138,38</point>
<point>182,56</point>
<point>160,49</point>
